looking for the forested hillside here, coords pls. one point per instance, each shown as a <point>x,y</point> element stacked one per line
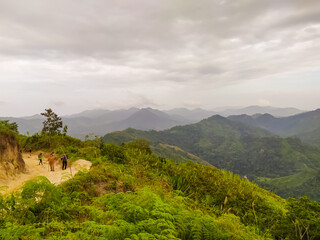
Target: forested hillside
<point>130,193</point>
<point>236,147</point>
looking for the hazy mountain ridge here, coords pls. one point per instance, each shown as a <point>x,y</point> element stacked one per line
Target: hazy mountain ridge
<point>26,125</point>
<point>99,122</point>
<point>305,125</point>
<point>251,110</point>
<point>145,119</point>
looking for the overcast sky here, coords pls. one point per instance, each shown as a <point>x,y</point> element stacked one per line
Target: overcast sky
<point>75,55</point>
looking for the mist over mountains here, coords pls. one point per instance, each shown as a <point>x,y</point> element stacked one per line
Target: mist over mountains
<point>99,122</point>
<point>251,110</point>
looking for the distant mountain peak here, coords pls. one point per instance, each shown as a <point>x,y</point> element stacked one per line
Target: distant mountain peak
<point>264,116</point>
<point>36,116</point>
<point>216,117</point>
<point>143,111</point>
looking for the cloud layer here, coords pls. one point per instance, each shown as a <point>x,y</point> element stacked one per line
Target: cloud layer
<point>86,54</point>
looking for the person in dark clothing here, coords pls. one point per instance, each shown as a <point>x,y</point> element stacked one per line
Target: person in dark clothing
<point>64,161</point>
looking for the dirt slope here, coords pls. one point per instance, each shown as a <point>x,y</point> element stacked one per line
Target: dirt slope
<point>11,162</point>
<point>33,169</point>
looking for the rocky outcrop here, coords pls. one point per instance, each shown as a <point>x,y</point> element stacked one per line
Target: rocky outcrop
<point>11,161</point>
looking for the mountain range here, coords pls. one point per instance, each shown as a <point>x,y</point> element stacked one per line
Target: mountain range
<point>99,122</point>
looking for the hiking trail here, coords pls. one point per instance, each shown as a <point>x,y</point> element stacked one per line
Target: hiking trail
<point>33,169</point>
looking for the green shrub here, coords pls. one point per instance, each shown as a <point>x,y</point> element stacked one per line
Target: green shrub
<point>113,152</point>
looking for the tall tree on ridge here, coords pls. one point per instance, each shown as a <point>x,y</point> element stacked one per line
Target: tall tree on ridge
<point>52,124</point>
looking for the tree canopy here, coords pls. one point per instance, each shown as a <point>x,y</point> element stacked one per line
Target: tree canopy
<point>52,124</point>
<point>11,126</point>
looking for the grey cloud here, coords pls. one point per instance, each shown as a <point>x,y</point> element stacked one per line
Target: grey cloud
<point>110,29</point>
<point>104,28</point>
<point>300,19</point>
<point>77,28</point>
<point>250,73</point>
<point>113,44</point>
<point>58,103</point>
<point>210,70</point>
<point>141,100</point>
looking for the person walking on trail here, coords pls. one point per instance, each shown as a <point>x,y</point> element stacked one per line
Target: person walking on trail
<point>64,161</point>
<point>51,161</point>
<point>40,158</point>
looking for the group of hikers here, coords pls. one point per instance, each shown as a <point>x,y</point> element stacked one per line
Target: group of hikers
<point>51,160</point>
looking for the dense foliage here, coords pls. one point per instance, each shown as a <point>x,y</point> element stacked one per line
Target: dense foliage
<point>8,129</point>
<point>130,193</point>
<point>9,126</point>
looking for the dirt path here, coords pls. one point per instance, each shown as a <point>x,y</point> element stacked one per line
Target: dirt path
<point>33,169</point>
